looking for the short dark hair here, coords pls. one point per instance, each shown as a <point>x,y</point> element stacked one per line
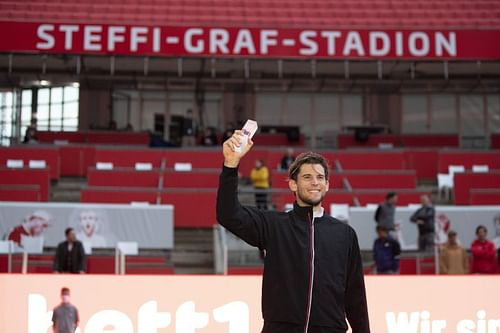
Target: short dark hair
<point>64,290</point>
<point>479,227</point>
<point>67,231</point>
<point>390,195</point>
<point>307,158</point>
<point>381,228</point>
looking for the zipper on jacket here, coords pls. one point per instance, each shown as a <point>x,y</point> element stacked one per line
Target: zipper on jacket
<point>311,274</point>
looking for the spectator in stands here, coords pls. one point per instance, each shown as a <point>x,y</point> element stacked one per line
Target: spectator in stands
<point>189,130</point>
<point>112,126</point>
<point>386,251</point>
<point>209,137</point>
<point>65,316</point>
<point>33,226</point>
<point>453,257</point>
<point>483,253</point>
<point>302,246</point>
<point>424,218</point>
<point>260,180</point>
<point>385,213</point>
<point>287,159</point>
<point>30,135</point>
<point>70,255</point>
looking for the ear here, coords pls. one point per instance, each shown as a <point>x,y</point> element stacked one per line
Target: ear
<point>292,184</point>
<point>327,185</point>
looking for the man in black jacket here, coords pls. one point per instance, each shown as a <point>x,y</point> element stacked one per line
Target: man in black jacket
<point>313,277</point>
<point>70,255</point>
<point>424,218</point>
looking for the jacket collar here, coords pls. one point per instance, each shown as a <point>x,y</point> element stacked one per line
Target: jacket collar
<point>306,212</point>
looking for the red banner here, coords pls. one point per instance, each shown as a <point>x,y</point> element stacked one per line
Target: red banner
<point>142,40</point>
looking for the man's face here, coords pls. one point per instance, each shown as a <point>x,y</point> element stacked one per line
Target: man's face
<point>481,234</point>
<point>311,185</point>
<point>65,297</point>
<point>71,236</point>
<point>452,239</point>
<point>88,222</point>
<point>382,233</point>
<point>394,200</point>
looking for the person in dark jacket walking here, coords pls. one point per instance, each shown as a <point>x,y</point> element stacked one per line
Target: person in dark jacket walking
<point>386,251</point>
<point>70,255</point>
<point>313,276</point>
<point>424,218</point>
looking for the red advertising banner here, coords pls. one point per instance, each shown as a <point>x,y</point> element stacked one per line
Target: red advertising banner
<point>231,304</point>
<point>105,39</point>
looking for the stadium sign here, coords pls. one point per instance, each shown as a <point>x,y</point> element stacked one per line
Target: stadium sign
<point>248,42</point>
<point>231,304</point>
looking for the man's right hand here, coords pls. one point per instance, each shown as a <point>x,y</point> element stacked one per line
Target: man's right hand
<point>231,156</point>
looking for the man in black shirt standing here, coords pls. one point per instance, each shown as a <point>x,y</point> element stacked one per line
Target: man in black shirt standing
<point>70,255</point>
<point>313,276</point>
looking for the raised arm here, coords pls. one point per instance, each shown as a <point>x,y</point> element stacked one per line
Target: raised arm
<point>248,223</point>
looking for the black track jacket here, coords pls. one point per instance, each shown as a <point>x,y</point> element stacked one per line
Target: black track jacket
<point>317,285</point>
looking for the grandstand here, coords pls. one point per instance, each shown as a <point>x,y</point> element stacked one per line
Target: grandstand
<point>399,95</point>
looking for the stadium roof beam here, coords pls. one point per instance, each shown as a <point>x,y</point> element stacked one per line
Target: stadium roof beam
<point>347,73</point>
<point>446,70</point>
<point>246,63</point>
<point>179,67</point>
<point>380,70</point>
<point>112,65</point>
<point>78,65</point>
<point>44,64</point>
<point>213,68</point>
<point>313,68</point>
<point>280,68</point>
<point>146,66</point>
<point>11,59</point>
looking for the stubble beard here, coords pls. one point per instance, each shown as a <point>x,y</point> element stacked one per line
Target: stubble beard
<point>310,202</point>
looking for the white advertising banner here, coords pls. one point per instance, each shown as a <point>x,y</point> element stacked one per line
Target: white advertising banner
<point>231,304</point>
<point>464,220</point>
<point>98,225</point>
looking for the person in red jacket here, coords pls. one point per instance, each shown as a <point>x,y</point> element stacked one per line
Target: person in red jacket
<point>483,253</point>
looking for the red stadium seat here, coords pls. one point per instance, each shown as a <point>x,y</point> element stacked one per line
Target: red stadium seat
<point>20,193</point>
<point>465,182</point>
<point>119,196</point>
<point>24,176</point>
<point>26,153</point>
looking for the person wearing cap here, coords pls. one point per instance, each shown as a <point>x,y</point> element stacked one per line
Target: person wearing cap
<point>65,316</point>
<point>453,258</point>
<point>70,255</point>
<point>33,226</point>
